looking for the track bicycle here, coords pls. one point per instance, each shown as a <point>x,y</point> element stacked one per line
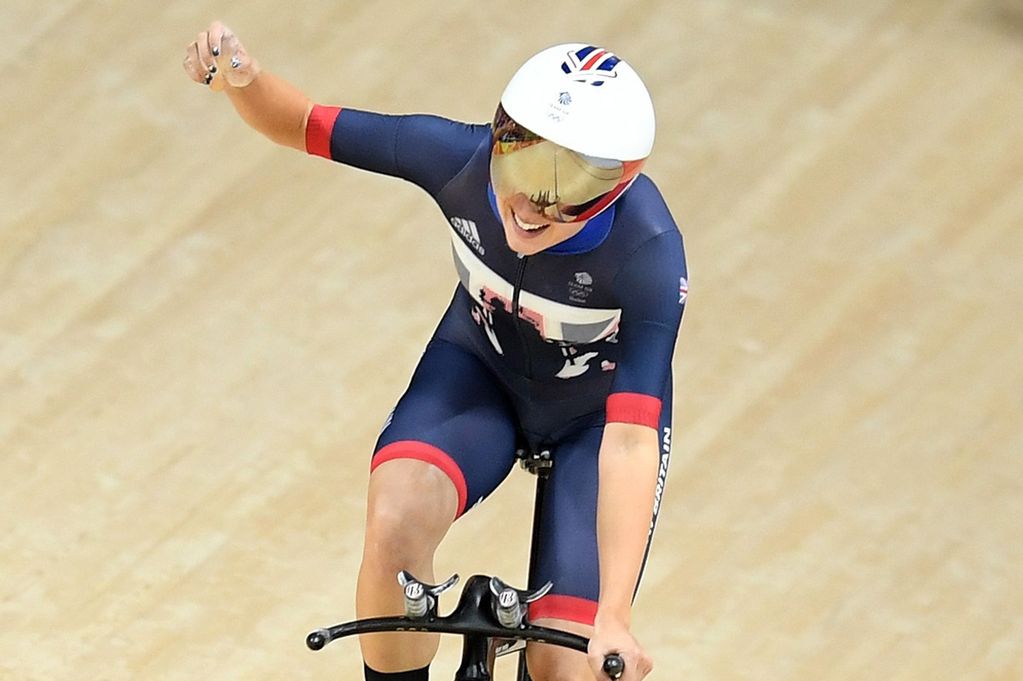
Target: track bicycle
<point>491,616</point>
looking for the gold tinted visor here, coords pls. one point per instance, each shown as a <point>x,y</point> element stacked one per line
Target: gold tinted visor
<point>562,184</point>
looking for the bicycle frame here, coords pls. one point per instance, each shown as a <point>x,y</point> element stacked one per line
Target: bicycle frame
<point>475,617</point>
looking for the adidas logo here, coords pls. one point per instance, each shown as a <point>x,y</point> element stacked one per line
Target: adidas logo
<point>467,228</point>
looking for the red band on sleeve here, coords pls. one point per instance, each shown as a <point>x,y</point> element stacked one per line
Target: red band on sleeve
<point>319,128</point>
<point>570,608</point>
<point>637,408</point>
<point>413,449</point>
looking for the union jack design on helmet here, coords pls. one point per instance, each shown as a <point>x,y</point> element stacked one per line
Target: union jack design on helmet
<point>585,98</point>
<point>590,65</point>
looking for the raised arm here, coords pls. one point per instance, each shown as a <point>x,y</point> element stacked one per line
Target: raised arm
<point>268,103</point>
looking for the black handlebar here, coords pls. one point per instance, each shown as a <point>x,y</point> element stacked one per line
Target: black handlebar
<point>445,625</point>
<point>473,619</point>
<point>614,666</point>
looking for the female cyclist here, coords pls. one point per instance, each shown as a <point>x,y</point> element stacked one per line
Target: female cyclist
<point>559,336</point>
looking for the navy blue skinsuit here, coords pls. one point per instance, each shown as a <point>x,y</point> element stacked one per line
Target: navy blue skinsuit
<point>538,351</point>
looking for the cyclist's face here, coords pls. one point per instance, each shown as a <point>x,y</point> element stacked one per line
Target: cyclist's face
<point>528,231</point>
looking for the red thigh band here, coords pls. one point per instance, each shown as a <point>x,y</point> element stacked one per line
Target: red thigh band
<point>420,451</point>
<point>570,608</point>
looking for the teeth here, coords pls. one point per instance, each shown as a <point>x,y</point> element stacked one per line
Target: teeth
<point>525,225</point>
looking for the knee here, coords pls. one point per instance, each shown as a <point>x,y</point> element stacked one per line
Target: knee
<point>411,505</point>
<point>396,533</point>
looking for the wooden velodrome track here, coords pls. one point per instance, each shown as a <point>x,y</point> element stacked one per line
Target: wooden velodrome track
<point>201,333</point>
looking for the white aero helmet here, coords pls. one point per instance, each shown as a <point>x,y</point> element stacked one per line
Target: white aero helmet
<point>573,129</point>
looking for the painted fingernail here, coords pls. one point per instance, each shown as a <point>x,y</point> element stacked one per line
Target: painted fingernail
<point>215,50</point>
<point>213,68</point>
<point>208,79</point>
<point>235,62</point>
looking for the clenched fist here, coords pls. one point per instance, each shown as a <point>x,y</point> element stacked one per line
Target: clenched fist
<point>218,59</point>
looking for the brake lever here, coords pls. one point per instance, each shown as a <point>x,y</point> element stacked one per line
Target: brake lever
<point>510,605</point>
<point>421,598</point>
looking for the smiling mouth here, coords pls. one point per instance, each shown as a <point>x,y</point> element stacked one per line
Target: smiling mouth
<point>528,227</point>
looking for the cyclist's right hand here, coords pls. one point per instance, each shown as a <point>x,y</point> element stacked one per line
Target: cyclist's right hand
<point>612,636</point>
<point>217,58</point>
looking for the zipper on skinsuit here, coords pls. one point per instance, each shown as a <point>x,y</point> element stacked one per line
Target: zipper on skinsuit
<point>516,290</point>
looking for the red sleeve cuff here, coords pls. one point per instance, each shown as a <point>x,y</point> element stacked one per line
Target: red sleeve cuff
<point>637,408</point>
<point>319,129</point>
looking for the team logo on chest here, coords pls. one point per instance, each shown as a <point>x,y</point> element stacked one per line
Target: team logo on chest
<point>580,288</point>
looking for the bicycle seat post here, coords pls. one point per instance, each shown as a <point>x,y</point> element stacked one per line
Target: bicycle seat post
<point>539,463</point>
